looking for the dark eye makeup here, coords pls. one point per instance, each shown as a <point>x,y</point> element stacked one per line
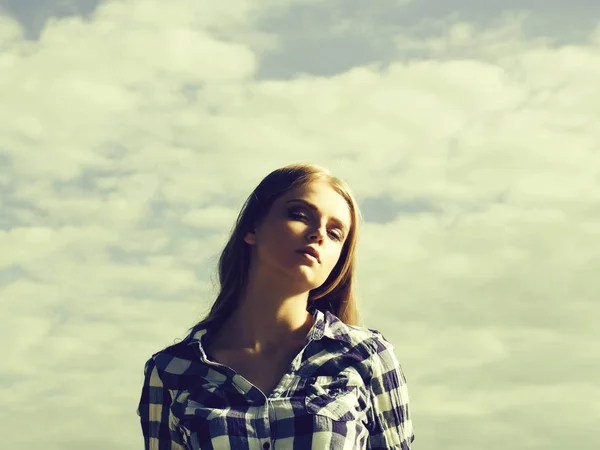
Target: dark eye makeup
<point>295,214</point>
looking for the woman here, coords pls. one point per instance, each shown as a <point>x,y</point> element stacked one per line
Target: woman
<point>280,361</point>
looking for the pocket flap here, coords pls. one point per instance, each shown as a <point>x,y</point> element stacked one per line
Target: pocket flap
<point>332,397</point>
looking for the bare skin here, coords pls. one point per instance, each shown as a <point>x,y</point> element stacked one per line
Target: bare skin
<point>264,372</point>
<point>269,327</point>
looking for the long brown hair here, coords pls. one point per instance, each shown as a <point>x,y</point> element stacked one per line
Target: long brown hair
<point>337,294</point>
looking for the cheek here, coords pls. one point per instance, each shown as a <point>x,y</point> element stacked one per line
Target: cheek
<point>293,228</point>
<point>282,230</point>
<point>282,240</point>
<point>288,234</point>
<point>333,259</point>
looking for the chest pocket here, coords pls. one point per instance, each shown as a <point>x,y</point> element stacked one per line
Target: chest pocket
<point>335,397</point>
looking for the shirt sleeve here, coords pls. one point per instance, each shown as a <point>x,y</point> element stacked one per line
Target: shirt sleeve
<point>153,410</point>
<point>390,422</point>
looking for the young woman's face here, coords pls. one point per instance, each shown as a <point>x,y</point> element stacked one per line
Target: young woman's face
<point>292,224</point>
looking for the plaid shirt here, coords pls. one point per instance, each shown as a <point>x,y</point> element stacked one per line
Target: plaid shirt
<point>344,390</point>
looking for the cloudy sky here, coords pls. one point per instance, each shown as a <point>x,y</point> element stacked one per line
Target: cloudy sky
<point>132,131</point>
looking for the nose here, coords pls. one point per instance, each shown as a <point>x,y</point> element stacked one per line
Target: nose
<point>319,233</point>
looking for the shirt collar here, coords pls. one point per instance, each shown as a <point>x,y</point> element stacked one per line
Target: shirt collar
<point>325,324</point>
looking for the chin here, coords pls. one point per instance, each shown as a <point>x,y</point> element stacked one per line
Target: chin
<point>307,284</point>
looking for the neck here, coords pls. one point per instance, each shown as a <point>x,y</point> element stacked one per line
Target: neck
<point>266,323</point>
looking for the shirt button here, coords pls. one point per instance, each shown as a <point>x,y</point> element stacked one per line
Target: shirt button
<point>266,445</point>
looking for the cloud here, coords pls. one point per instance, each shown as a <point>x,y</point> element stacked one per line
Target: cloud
<point>132,139</point>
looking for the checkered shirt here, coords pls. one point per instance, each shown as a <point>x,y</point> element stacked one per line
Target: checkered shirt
<point>344,390</point>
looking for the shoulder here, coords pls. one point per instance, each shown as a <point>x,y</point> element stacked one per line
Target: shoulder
<point>171,362</point>
<point>369,337</point>
<point>353,335</point>
<point>381,351</point>
<point>372,346</point>
<point>363,334</point>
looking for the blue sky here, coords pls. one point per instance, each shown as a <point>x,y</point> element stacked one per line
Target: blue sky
<point>131,132</point>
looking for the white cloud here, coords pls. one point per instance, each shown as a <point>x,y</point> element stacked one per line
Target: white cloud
<point>123,131</point>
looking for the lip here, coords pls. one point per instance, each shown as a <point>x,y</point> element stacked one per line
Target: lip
<point>311,251</point>
<point>308,256</point>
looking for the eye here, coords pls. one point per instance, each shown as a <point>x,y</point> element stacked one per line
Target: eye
<point>298,215</point>
<point>337,236</point>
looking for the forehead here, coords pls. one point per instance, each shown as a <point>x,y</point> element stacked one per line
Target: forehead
<point>324,197</point>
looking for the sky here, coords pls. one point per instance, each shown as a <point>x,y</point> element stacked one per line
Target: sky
<point>131,132</point>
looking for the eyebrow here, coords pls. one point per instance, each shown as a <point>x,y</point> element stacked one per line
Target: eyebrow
<point>314,208</point>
